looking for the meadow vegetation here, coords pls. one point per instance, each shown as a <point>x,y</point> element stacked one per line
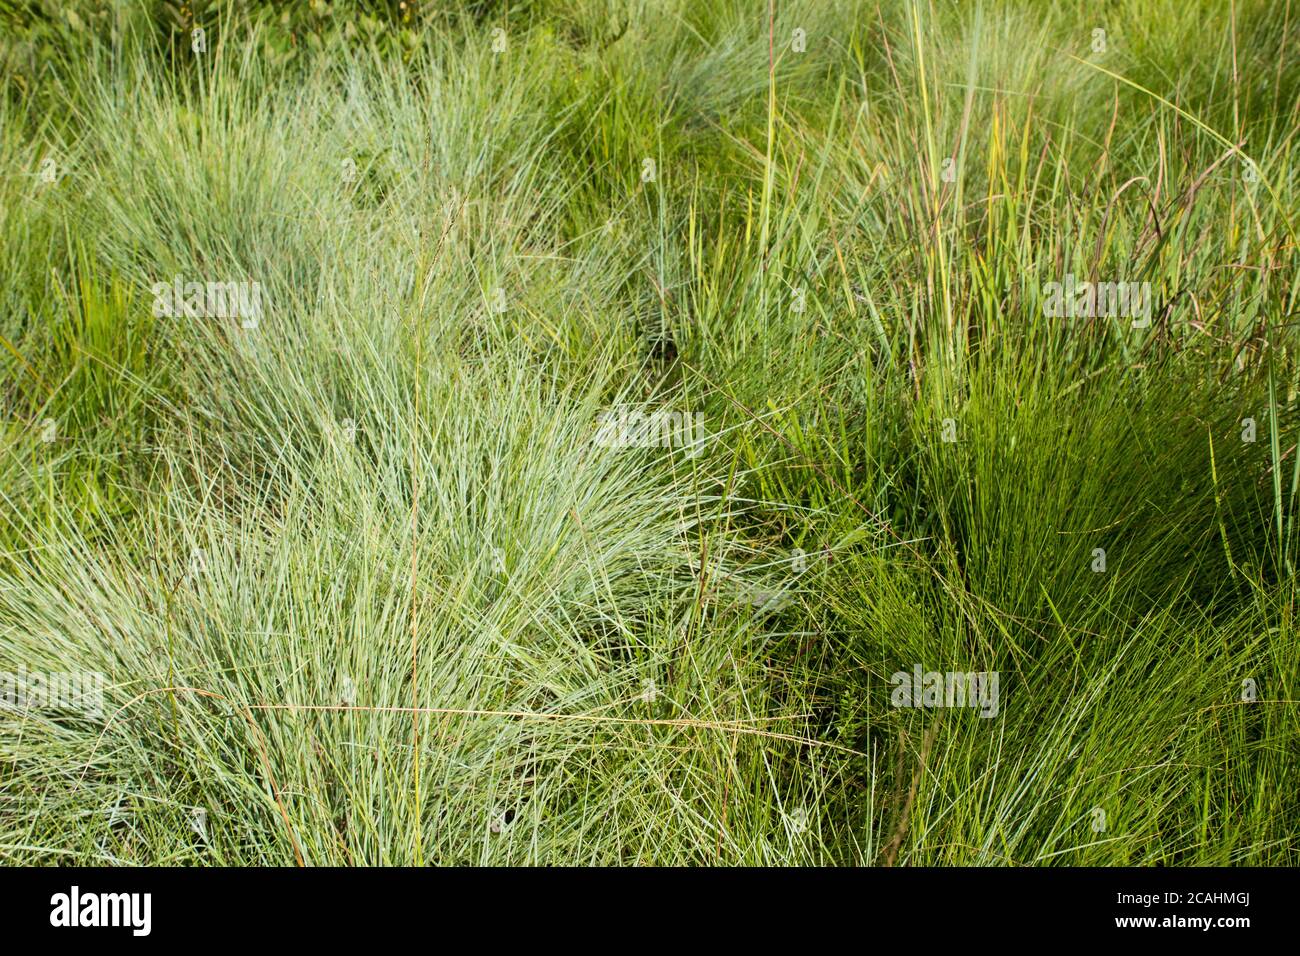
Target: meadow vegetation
<point>364,587</point>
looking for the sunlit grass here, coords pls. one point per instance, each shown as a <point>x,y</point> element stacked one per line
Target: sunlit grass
<point>367,588</point>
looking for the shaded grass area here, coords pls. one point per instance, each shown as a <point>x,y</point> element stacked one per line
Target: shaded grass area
<point>364,584</point>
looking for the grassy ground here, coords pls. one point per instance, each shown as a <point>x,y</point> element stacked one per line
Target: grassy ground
<point>366,587</point>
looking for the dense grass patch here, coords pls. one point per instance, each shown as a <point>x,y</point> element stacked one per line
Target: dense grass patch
<point>367,579</point>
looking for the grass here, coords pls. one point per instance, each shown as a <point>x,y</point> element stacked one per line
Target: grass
<point>366,588</point>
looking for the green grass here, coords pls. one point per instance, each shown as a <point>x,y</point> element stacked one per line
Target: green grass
<point>363,584</point>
